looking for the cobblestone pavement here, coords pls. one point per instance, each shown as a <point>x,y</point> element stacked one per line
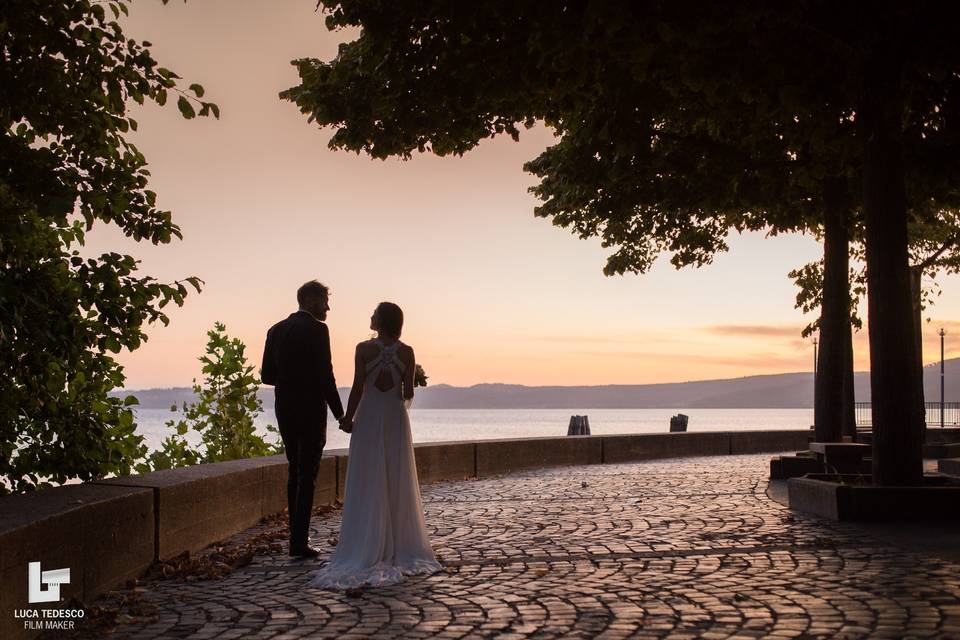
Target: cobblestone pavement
<point>685,548</point>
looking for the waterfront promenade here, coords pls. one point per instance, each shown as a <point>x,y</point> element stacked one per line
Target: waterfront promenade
<point>692,547</point>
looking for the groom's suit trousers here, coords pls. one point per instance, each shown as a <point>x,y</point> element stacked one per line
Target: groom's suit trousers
<point>303,442</point>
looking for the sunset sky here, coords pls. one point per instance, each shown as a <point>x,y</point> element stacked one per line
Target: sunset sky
<point>490,293</point>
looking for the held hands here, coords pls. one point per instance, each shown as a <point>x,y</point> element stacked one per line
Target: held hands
<point>346,424</point>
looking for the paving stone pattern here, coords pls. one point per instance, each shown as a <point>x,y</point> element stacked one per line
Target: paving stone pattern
<point>683,548</point>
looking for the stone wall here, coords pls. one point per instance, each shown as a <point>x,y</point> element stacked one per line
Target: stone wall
<point>104,534</point>
<point>111,530</point>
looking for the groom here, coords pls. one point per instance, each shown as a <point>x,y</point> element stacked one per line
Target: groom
<point>296,360</point>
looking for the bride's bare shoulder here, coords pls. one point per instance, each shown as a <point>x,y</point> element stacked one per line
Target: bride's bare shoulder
<point>405,351</point>
<point>367,347</point>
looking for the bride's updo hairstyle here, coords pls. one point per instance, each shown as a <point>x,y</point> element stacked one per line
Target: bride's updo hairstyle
<point>389,319</point>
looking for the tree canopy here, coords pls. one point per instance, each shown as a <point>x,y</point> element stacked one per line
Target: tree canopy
<point>679,121</point>
<point>68,74</point>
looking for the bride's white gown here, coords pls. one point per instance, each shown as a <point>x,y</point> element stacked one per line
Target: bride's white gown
<point>382,536</point>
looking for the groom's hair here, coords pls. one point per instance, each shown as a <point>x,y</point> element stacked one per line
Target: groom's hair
<point>390,319</point>
<point>311,291</point>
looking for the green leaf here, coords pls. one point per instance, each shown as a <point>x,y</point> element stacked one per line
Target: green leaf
<point>186,109</point>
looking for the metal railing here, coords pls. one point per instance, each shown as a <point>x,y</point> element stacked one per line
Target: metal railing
<point>951,414</point>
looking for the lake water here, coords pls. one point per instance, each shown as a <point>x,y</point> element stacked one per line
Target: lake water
<point>437,425</point>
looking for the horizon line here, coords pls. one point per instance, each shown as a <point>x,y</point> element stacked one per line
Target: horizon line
<point>569,386</point>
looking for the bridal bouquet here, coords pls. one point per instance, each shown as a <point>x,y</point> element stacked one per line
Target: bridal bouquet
<point>419,377</point>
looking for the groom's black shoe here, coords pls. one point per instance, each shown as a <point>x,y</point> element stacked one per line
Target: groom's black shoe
<point>304,551</point>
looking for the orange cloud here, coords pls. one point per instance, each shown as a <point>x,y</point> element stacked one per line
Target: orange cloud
<point>752,331</point>
<point>766,361</point>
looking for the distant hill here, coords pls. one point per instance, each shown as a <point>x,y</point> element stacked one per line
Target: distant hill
<point>781,391</point>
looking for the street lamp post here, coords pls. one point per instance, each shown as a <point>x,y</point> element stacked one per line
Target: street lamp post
<point>814,360</point>
<point>814,375</point>
<point>942,334</point>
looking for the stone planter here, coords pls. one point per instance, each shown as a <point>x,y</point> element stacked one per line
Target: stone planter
<point>854,498</point>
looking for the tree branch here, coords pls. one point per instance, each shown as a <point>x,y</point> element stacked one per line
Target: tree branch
<point>932,259</point>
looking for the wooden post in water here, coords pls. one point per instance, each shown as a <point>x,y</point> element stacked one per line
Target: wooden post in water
<point>579,426</point>
<point>678,423</point>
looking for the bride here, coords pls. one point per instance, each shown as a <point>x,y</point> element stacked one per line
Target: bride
<point>382,535</point>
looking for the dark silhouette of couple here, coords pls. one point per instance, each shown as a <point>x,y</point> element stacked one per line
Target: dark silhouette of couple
<point>382,536</point>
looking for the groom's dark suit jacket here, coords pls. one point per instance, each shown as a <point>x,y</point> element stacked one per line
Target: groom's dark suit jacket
<point>296,360</point>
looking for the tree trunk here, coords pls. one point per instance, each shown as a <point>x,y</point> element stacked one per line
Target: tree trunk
<point>834,312</point>
<point>916,293</point>
<point>849,427</point>
<point>897,443</point>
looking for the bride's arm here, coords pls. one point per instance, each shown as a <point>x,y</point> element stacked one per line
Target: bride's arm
<point>356,391</point>
<point>411,364</point>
